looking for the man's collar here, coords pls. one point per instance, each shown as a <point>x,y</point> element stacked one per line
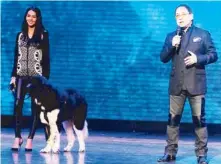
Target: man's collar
<point>189,27</point>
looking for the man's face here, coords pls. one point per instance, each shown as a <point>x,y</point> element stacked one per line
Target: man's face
<point>183,17</point>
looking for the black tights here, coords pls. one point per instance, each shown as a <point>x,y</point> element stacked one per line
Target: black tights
<point>21,91</point>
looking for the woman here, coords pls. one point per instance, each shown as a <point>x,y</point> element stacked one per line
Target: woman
<point>31,59</point>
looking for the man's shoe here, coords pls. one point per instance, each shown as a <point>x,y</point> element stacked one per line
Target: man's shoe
<point>167,158</point>
<point>202,160</point>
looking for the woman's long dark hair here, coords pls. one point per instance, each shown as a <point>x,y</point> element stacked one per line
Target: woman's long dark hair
<point>39,28</point>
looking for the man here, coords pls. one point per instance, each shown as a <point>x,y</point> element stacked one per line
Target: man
<point>190,49</point>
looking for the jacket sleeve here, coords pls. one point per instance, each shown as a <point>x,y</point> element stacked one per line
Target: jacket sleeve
<point>210,55</point>
<point>46,55</point>
<point>168,50</point>
<point>14,69</point>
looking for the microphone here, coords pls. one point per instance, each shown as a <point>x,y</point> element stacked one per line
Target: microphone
<point>11,87</point>
<point>179,33</point>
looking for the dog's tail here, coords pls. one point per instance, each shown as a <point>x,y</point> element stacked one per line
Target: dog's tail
<point>85,130</point>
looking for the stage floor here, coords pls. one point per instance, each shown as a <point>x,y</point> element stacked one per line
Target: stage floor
<point>107,148</point>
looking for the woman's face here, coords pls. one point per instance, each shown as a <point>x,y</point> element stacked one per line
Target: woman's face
<point>31,18</point>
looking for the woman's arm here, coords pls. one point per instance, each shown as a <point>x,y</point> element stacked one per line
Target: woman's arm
<point>46,55</point>
<point>14,69</point>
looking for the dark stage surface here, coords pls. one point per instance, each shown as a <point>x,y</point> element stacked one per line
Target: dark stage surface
<point>107,148</point>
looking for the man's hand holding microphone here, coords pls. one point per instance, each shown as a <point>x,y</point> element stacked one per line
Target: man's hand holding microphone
<point>176,41</point>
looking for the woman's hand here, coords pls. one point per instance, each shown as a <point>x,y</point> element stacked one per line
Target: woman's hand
<point>13,82</point>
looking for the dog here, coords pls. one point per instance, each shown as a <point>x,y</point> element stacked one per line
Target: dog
<point>60,107</point>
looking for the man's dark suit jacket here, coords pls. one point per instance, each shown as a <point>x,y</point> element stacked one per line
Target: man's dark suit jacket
<point>193,77</point>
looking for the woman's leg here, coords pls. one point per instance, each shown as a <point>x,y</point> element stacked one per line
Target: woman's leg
<point>18,104</point>
<point>35,115</point>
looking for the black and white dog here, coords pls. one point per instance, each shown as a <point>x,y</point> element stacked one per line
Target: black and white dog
<point>58,107</point>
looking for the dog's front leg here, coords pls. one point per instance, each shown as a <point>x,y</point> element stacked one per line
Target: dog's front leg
<point>48,147</point>
<point>57,140</point>
<point>50,143</point>
<point>55,135</point>
<point>53,142</point>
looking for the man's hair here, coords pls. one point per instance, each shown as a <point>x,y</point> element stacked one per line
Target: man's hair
<point>186,6</point>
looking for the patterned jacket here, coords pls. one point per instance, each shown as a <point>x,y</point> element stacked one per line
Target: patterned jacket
<point>31,58</point>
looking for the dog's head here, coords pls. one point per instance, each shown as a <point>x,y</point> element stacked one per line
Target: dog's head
<point>36,86</point>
